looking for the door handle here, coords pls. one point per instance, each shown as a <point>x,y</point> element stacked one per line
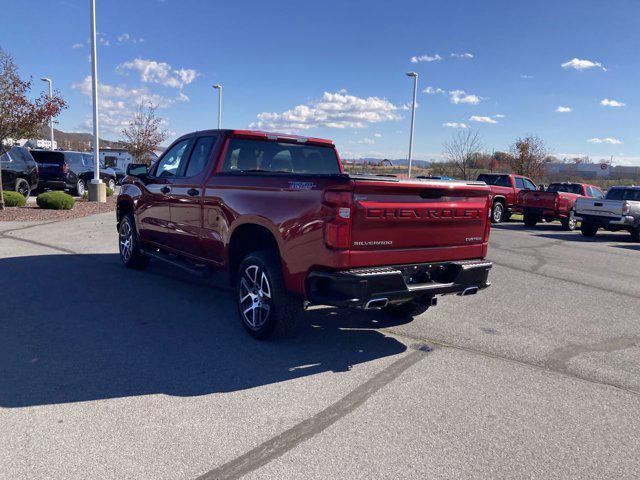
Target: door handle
<point>165,190</point>
<point>193,192</point>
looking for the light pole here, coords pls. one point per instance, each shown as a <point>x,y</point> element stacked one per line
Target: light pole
<point>50,98</point>
<point>218,87</point>
<point>97,190</point>
<point>413,114</point>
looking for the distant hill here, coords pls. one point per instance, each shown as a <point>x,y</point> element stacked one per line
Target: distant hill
<point>76,141</point>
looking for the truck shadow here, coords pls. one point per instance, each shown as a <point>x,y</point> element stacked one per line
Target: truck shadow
<point>82,327</point>
<point>579,238</point>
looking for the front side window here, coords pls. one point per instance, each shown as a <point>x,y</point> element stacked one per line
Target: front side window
<point>595,192</point>
<point>529,184</point>
<point>200,155</point>
<point>257,156</point>
<point>170,163</point>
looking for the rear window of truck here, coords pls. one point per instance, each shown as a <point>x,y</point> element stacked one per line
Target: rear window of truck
<point>497,180</point>
<point>566,187</point>
<point>257,156</point>
<point>631,194</point>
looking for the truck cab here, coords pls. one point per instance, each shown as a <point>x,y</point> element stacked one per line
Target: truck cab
<point>505,188</point>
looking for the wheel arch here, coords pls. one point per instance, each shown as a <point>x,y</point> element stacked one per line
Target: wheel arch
<point>247,237</point>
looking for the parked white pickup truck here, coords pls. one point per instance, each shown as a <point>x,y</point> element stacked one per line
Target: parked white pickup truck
<point>619,210</point>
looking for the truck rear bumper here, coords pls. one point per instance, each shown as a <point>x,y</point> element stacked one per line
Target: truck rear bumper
<point>605,222</point>
<point>397,283</point>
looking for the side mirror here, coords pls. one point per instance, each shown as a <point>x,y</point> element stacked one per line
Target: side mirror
<point>137,169</point>
<point>541,187</point>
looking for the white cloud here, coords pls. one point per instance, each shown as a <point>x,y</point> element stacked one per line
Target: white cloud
<point>102,39</point>
<point>128,38</point>
<point>455,125</point>
<point>333,110</point>
<point>526,77</point>
<point>460,96</point>
<point>499,115</point>
<point>367,141</point>
<point>562,109</point>
<point>462,55</point>
<point>433,90</point>
<point>159,72</point>
<point>75,46</point>
<point>377,135</point>
<point>579,64</point>
<point>479,119</point>
<point>609,140</point>
<point>426,58</point>
<point>611,103</point>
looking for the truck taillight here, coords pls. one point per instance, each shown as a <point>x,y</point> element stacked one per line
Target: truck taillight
<point>626,208</point>
<point>337,232</point>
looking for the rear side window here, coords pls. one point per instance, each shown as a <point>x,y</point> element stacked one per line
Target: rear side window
<point>519,182</point>
<point>74,159</point>
<point>200,155</point>
<point>246,156</point>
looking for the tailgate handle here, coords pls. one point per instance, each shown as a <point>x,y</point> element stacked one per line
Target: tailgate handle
<point>432,193</point>
<point>597,204</point>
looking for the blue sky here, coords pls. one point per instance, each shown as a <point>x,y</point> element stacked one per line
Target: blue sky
<point>336,69</point>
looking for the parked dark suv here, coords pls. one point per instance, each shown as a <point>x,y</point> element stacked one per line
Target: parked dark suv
<point>19,171</point>
<point>64,170</point>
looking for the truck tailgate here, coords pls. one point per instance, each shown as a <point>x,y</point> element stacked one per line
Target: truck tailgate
<point>535,199</point>
<point>599,207</point>
<point>425,221</point>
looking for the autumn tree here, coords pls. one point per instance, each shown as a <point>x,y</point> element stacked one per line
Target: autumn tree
<point>144,134</point>
<point>529,156</point>
<point>462,151</point>
<point>21,117</point>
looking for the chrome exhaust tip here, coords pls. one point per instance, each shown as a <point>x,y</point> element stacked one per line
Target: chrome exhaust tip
<point>376,303</point>
<point>469,291</point>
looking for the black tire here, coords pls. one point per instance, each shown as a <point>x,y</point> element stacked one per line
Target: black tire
<point>569,223</point>
<point>635,234</point>
<point>265,308</point>
<point>405,310</point>
<point>80,188</point>
<point>497,212</point>
<point>23,187</point>
<point>530,220</point>
<point>130,253</point>
<point>588,229</point>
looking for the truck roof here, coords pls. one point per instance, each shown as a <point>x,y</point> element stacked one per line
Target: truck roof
<point>262,135</point>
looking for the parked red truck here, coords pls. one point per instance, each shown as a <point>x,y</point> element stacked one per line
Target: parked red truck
<point>278,212</point>
<point>557,202</point>
<point>504,190</point>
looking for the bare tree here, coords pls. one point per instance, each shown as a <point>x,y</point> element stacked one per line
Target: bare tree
<point>19,116</point>
<point>529,156</point>
<point>462,151</point>
<point>144,134</point>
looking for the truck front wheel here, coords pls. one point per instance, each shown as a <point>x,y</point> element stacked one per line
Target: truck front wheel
<point>530,220</point>
<point>635,234</point>
<point>588,229</point>
<point>265,307</point>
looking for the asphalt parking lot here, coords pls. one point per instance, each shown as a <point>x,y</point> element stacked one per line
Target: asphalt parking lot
<point>111,373</point>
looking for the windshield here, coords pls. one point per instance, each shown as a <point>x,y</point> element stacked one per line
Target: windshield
<point>279,157</point>
<point>566,187</point>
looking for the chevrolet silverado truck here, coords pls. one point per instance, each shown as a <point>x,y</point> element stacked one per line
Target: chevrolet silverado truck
<point>292,229</point>
<point>619,210</point>
<point>504,190</point>
<point>557,202</point>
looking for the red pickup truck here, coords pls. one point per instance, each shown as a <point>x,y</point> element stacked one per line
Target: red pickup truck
<point>557,202</point>
<point>504,190</point>
<point>278,212</point>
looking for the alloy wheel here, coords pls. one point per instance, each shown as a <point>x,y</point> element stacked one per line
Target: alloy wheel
<point>497,212</point>
<point>80,188</point>
<point>126,241</point>
<point>255,297</point>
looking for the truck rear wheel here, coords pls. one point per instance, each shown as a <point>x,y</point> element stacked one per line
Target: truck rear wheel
<point>569,223</point>
<point>588,229</point>
<point>497,212</point>
<point>265,307</point>
<point>635,234</point>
